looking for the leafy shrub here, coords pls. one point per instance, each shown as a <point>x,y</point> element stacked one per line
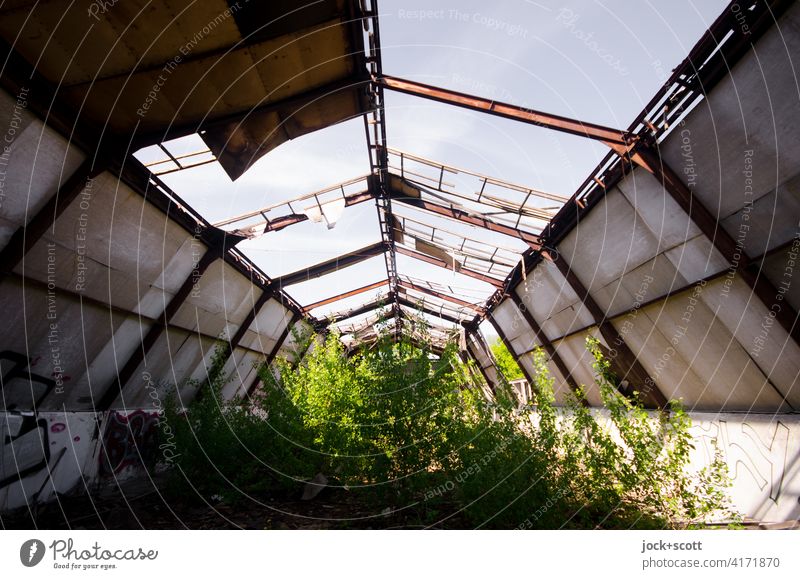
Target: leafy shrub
<point>399,427</point>
<point>505,361</point>
<point>231,449</point>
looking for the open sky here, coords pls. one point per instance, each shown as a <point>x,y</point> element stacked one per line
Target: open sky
<point>595,61</point>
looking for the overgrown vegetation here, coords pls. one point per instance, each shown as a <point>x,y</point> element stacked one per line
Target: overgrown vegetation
<point>505,361</point>
<point>398,428</point>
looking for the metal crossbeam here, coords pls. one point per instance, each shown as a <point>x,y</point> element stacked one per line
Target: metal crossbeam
<point>533,240</point>
<point>337,317</point>
<point>442,296</point>
<point>345,295</point>
<point>420,306</point>
<point>614,138</point>
<point>440,263</point>
<point>316,195</point>
<point>329,266</point>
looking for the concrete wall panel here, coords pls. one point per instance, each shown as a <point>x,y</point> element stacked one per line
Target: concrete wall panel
<point>697,259</point>
<point>38,162</point>
<point>219,302</point>
<point>59,336</point>
<point>611,239</point>
<point>770,221</point>
<point>766,342</point>
<point>546,293</point>
<point>552,302</point>
<point>507,316</point>
<point>271,320</point>
<point>754,108</point>
<point>783,270</point>
<point>578,361</point>
<point>729,378</point>
<point>658,211</point>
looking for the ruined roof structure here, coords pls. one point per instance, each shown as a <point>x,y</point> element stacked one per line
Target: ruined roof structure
<point>677,251</point>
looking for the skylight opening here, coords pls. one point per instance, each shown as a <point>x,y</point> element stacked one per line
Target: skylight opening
<point>301,166</point>
<point>308,243</point>
<point>339,281</point>
<point>351,303</point>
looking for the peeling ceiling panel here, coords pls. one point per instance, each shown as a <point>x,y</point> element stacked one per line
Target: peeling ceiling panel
<point>246,75</point>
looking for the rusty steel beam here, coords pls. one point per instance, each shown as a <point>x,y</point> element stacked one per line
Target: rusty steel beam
<point>551,350</point>
<point>440,263</point>
<point>614,138</point>
<point>329,266</point>
<point>446,297</point>
<point>363,309</point>
<point>345,295</point>
<point>623,361</point>
<point>533,240</point>
<point>25,237</point>
<point>649,158</point>
<point>424,309</point>
<point>149,340</point>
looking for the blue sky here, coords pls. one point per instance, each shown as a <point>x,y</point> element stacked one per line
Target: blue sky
<point>594,61</point>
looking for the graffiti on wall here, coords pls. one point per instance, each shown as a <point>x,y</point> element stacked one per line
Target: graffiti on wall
<point>45,455</point>
<point>25,446</point>
<point>130,440</point>
<point>23,434</point>
<point>757,455</point>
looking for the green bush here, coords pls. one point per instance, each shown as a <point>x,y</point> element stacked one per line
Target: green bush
<point>505,361</point>
<point>401,428</point>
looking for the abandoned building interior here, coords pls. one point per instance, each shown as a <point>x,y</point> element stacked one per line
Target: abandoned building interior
<point>677,251</point>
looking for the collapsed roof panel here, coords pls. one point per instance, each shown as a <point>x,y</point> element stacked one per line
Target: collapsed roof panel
<point>306,243</point>
<point>246,75</point>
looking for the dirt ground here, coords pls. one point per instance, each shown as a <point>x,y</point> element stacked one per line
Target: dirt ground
<point>151,510</point>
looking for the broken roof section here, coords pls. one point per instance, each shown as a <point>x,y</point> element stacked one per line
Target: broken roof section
<point>265,75</point>
<point>246,76</point>
<point>449,228</point>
